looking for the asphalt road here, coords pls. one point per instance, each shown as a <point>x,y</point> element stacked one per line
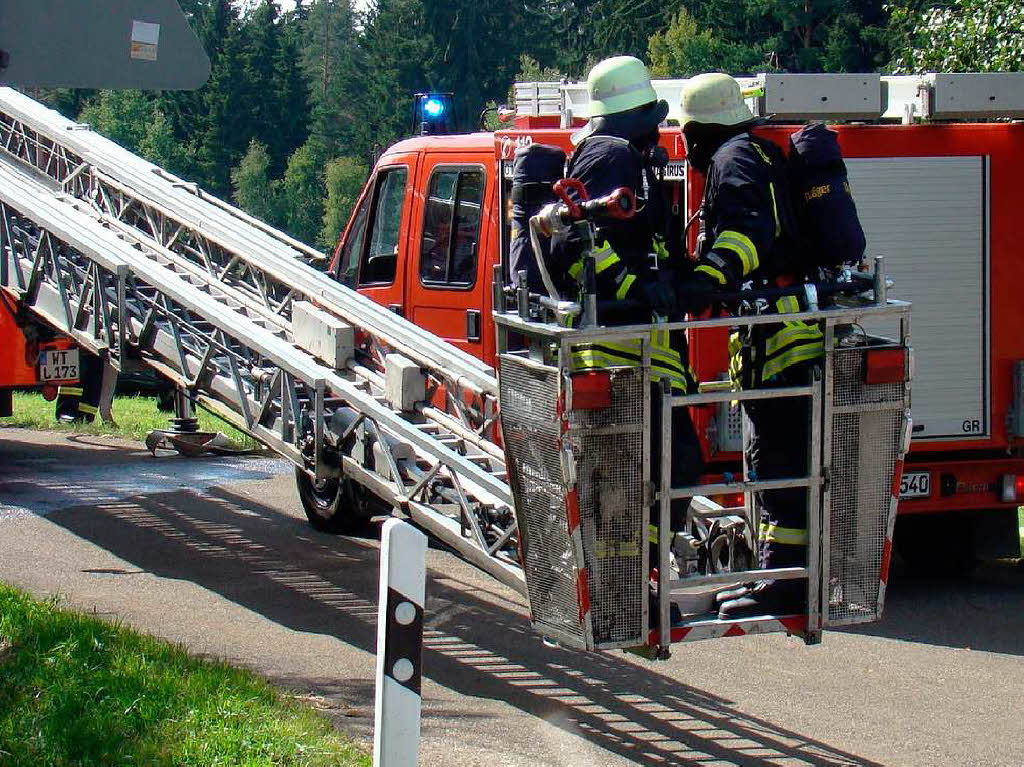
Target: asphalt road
<point>215,553</point>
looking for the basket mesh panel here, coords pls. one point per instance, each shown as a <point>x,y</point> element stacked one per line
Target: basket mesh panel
<point>865,445</point>
<point>613,519</point>
<point>528,396</point>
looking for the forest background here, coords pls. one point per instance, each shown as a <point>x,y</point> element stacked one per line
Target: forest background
<point>299,102</point>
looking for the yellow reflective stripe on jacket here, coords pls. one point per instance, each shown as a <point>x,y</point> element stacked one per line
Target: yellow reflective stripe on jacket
<point>735,359</point>
<point>761,152</point>
<point>711,271</point>
<point>791,536</point>
<point>605,263</point>
<point>611,549</point>
<point>667,363</point>
<point>607,354</point>
<point>604,258</point>
<point>627,283</point>
<point>793,356</point>
<point>742,246</point>
<point>787,305</point>
<point>790,333</point>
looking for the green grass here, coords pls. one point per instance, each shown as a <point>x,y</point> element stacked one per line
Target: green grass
<point>134,417</point>
<point>77,691</point>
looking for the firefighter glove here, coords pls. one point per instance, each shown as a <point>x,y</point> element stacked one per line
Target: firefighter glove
<point>660,296</point>
<point>695,294</point>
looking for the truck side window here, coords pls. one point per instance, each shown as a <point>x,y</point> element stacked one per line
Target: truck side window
<point>451,228</point>
<point>380,258</point>
<point>348,264</point>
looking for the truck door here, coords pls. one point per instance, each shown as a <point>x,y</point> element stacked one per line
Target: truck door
<point>449,292</point>
<point>376,249</point>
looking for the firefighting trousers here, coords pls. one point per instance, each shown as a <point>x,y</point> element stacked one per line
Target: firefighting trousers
<point>687,460</point>
<point>776,445</point>
<point>79,403</point>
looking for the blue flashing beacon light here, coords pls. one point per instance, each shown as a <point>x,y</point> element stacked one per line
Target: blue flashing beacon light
<point>433,114</point>
<point>433,107</point>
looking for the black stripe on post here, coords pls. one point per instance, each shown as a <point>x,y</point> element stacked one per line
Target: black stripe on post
<point>404,641</point>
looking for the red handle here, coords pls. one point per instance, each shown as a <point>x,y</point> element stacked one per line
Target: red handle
<point>562,187</point>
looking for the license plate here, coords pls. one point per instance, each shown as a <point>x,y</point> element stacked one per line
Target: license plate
<point>58,365</point>
<point>916,484</point>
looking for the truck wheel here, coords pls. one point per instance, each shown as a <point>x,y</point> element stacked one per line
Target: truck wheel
<point>336,506</point>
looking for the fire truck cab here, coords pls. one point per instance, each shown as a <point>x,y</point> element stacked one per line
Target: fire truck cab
<point>934,164</point>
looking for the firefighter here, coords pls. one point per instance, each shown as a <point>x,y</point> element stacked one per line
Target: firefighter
<point>80,403</point>
<point>618,147</point>
<point>747,236</point>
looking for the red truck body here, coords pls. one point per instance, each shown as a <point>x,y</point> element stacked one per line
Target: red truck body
<point>940,201</point>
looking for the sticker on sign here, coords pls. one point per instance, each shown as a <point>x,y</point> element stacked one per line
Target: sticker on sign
<point>145,39</point>
<point>58,365</point>
<point>916,484</point>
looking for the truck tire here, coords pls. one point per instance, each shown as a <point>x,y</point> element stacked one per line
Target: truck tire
<point>336,506</point>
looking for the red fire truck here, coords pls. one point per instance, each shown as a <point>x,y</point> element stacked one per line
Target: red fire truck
<point>31,356</point>
<point>935,163</point>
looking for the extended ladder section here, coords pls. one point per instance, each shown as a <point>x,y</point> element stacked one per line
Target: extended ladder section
<point>796,97</point>
<point>143,268</point>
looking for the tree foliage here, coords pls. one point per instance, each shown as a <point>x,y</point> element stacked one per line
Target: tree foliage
<point>683,49</point>
<point>255,191</point>
<point>963,36</point>
<point>345,177</point>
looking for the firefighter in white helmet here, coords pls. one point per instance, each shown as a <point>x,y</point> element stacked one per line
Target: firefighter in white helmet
<point>636,283</point>
<point>747,236</point>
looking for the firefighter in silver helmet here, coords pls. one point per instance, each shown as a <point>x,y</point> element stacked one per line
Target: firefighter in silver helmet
<point>618,147</point>
<point>747,237</point>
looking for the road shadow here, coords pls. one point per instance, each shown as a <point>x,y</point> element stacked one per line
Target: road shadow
<point>474,642</point>
<point>980,610</point>
<point>42,477</point>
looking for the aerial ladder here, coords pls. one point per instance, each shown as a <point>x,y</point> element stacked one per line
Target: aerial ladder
<point>143,268</point>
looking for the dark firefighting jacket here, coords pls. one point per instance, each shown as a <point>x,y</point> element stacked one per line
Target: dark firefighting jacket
<point>623,262</point>
<point>747,236</point>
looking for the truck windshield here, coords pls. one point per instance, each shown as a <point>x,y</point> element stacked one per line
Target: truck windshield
<point>378,222</point>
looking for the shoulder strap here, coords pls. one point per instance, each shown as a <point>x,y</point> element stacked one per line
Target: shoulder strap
<point>571,163</point>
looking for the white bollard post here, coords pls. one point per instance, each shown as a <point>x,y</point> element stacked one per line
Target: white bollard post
<point>396,731</point>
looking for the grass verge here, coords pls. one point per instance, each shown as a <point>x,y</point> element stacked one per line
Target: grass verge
<point>134,417</point>
<point>76,690</point>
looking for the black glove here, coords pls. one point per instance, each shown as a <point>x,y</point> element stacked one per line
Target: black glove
<point>695,294</point>
<point>660,296</point>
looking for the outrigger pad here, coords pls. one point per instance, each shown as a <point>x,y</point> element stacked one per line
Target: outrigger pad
<point>192,444</point>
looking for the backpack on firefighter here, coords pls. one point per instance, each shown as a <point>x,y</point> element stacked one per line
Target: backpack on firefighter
<point>535,170</point>
<point>827,226</point>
